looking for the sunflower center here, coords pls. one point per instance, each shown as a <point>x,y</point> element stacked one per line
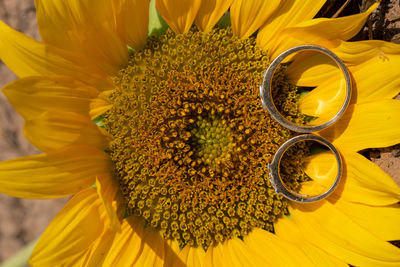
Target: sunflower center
<point>191,141</point>
<point>211,140</point>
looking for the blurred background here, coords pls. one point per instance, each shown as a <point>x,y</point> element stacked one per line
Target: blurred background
<point>22,221</point>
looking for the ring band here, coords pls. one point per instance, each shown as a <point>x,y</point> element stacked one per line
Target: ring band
<point>278,184</point>
<point>266,97</point>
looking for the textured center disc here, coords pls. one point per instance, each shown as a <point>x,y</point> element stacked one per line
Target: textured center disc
<point>191,141</point>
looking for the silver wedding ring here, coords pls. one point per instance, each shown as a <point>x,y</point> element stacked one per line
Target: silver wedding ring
<point>266,96</point>
<point>279,185</point>
<point>268,104</point>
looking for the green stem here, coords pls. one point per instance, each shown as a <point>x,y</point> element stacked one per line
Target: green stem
<point>21,258</point>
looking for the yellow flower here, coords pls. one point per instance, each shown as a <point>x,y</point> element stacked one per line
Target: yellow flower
<point>78,74</point>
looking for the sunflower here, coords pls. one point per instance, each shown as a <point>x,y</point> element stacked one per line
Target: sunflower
<point>163,142</point>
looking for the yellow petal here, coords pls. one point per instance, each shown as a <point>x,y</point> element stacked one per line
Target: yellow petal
<point>28,57</point>
<point>172,257</point>
<point>369,183</point>
<point>214,256</point>
<point>325,101</point>
<point>132,20</point>
<point>322,166</point>
<point>248,16</point>
<point>83,27</point>
<point>71,232</point>
<point>288,14</point>
<point>357,198</point>
<point>311,68</point>
<point>329,229</point>
<point>287,230</point>
<point>366,61</point>
<point>374,124</point>
<point>33,96</point>
<point>322,31</point>
<point>233,252</point>
<point>381,221</point>
<point>379,77</point>
<point>239,253</point>
<point>107,190</point>
<point>192,256</point>
<point>94,256</point>
<point>323,170</point>
<point>152,253</point>
<point>112,247</point>
<point>356,53</point>
<point>54,23</point>
<point>210,12</point>
<point>128,245</point>
<point>100,104</point>
<point>56,174</point>
<point>353,54</point>
<point>54,130</point>
<point>179,14</point>
<point>362,181</point>
<point>133,246</point>
<point>274,251</point>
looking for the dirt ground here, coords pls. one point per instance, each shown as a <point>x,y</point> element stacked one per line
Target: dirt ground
<point>22,221</point>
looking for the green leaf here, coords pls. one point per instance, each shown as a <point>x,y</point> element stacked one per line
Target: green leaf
<point>157,26</point>
<point>130,49</point>
<point>303,91</point>
<point>303,94</point>
<point>317,148</point>
<point>225,21</point>
<point>21,258</point>
<point>99,121</point>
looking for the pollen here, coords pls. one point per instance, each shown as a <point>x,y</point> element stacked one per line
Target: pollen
<point>191,141</point>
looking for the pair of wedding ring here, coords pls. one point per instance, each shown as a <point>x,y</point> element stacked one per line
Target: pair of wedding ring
<point>268,104</point>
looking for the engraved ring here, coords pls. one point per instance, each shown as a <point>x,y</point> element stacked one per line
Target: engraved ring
<point>268,103</point>
<point>276,180</point>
